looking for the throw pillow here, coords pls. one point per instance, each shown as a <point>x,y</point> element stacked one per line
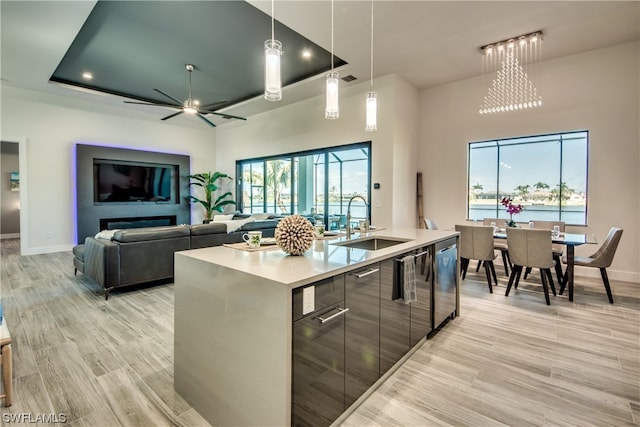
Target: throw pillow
<point>261,216</point>
<point>218,218</point>
<point>105,234</point>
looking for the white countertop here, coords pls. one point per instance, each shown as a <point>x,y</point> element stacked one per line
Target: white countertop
<point>324,259</point>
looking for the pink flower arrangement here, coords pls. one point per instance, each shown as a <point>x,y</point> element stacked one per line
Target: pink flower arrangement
<point>511,209</point>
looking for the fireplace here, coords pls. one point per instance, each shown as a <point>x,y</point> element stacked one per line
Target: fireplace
<point>137,222</point>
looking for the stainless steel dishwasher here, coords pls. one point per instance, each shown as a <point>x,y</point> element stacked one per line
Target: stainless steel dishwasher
<point>445,280</point>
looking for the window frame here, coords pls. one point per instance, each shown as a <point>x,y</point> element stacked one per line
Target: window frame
<point>561,137</point>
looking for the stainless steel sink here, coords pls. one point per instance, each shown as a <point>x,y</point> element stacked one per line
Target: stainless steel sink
<point>371,243</point>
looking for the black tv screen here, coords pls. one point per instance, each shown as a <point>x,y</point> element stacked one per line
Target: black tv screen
<point>133,182</point>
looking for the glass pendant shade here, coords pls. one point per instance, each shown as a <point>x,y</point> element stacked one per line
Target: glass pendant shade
<point>272,78</point>
<point>372,112</point>
<point>332,110</point>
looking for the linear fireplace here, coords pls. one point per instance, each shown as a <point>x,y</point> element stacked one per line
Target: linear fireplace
<point>137,222</point>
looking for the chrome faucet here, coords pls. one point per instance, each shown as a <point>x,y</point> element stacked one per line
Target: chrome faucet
<point>366,221</point>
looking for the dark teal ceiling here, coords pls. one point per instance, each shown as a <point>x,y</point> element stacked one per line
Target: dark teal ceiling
<point>132,47</point>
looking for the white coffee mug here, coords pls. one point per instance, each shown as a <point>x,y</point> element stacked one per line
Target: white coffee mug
<point>319,229</point>
<point>252,238</point>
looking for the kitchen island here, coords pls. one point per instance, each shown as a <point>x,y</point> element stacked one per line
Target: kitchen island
<point>235,315</point>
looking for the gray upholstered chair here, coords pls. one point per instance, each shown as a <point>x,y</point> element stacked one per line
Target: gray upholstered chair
<point>476,242</point>
<point>601,259</point>
<point>556,248</point>
<point>530,248</point>
<point>500,244</point>
<point>430,224</point>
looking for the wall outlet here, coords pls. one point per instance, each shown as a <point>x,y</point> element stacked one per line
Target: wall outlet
<point>49,234</point>
<point>308,299</point>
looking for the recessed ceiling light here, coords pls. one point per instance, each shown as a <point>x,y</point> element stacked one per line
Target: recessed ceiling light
<point>87,75</point>
<point>306,53</point>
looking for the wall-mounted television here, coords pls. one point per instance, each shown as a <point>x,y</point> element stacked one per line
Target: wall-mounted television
<point>126,182</point>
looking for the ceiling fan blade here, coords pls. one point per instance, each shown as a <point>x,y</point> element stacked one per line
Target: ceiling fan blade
<point>206,107</point>
<point>172,115</point>
<point>226,116</point>
<point>153,104</point>
<point>205,119</point>
<point>169,96</point>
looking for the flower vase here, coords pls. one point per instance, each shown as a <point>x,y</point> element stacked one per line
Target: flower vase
<point>511,223</point>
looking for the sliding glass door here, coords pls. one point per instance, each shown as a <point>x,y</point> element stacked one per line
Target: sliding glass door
<point>317,183</point>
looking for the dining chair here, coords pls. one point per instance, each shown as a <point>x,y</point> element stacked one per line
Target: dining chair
<point>556,248</point>
<point>530,248</point>
<point>601,259</point>
<point>476,242</point>
<point>430,224</point>
<point>500,244</point>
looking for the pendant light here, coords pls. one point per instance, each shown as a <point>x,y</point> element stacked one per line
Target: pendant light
<point>332,110</point>
<point>272,53</point>
<point>372,97</point>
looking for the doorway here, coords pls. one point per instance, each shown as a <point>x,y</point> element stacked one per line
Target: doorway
<point>9,190</point>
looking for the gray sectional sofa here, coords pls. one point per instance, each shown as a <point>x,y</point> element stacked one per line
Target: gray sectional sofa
<point>141,255</point>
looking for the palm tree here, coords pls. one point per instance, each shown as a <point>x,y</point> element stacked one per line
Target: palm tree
<point>477,188</point>
<point>561,190</point>
<point>278,178</point>
<point>523,191</point>
<point>565,191</point>
<point>540,185</point>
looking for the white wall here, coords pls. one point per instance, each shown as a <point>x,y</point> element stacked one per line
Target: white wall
<point>598,91</point>
<point>302,126</point>
<point>48,127</point>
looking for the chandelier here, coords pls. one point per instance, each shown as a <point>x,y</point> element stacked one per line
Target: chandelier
<point>512,60</point>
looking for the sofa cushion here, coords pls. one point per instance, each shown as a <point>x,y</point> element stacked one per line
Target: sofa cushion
<point>211,228</point>
<point>150,233</point>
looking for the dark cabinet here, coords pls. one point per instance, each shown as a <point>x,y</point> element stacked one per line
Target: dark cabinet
<point>403,325</point>
<point>362,331</point>
<point>445,281</point>
<point>318,358</point>
<point>421,309</point>
<point>395,319</point>
<point>350,329</point>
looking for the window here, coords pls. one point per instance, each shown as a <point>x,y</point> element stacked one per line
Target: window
<point>547,174</point>
<point>317,183</point>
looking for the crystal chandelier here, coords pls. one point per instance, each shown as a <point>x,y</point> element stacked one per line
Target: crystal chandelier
<point>512,88</point>
<point>272,53</point>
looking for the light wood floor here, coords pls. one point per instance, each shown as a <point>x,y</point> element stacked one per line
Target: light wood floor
<point>506,361</point>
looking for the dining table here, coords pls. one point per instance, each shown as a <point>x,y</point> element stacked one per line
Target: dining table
<point>570,240</point>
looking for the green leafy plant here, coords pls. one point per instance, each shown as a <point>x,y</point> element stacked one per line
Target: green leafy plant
<point>207,181</point>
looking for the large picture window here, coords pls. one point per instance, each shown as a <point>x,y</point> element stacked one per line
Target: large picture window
<point>547,174</point>
<point>316,183</point>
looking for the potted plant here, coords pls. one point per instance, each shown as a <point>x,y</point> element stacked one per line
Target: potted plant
<point>207,181</point>
<point>512,209</point>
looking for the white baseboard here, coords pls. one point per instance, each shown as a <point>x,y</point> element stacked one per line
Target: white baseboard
<point>47,249</point>
<point>623,276</point>
<point>10,236</point>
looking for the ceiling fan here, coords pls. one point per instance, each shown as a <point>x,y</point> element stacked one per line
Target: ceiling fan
<point>190,106</point>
